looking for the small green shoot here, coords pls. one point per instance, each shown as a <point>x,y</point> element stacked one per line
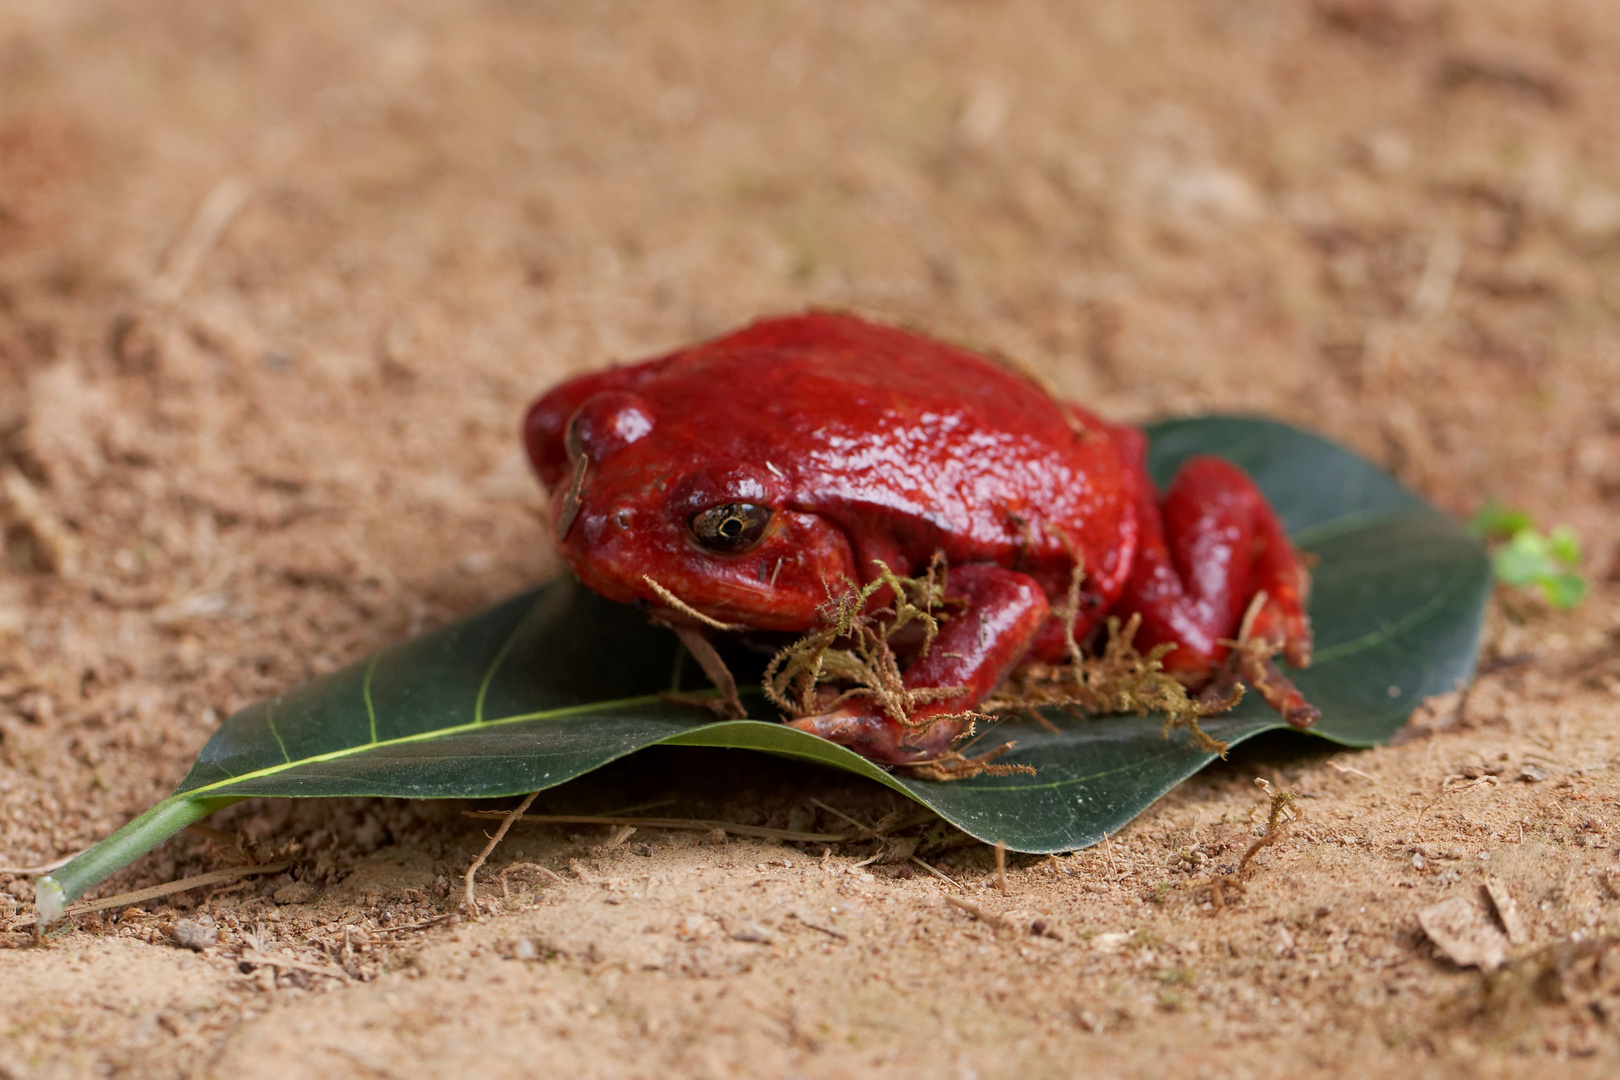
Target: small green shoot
<point>1529,556</point>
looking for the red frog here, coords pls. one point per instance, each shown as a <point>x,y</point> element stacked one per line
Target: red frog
<point>743,480</point>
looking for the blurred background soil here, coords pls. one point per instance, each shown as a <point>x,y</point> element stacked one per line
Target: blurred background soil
<point>276,282</point>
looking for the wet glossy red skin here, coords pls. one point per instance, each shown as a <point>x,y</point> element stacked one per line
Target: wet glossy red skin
<point>874,444</point>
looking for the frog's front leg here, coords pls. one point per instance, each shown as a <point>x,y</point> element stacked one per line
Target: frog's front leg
<point>974,650</point>
<point>1208,550</point>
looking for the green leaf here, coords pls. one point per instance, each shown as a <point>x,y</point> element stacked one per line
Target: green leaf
<point>557,682</point>
<point>1565,545</point>
<point>1529,558</point>
<point>1495,521</point>
<point>1563,590</point>
<point>1525,559</point>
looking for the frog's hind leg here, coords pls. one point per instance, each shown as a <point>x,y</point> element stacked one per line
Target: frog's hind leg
<point>1208,551</point>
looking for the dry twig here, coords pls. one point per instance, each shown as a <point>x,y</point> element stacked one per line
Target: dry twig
<point>946,878</point>
<point>828,930</point>
<point>201,234</point>
<point>978,912</point>
<point>1450,786</point>
<point>728,706</point>
<point>536,867</point>
<point>264,959</point>
<point>34,871</point>
<point>470,900</point>
<point>692,824</point>
<point>54,541</point>
<point>213,877</point>
<point>687,609</point>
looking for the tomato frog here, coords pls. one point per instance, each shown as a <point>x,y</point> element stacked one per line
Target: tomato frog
<point>739,483</point>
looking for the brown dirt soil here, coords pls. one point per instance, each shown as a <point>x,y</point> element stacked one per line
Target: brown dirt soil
<point>276,282</point>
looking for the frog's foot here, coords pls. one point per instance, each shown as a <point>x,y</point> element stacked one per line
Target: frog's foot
<point>1276,613</point>
<point>1262,673</point>
<point>1215,565</point>
<point>1252,664</point>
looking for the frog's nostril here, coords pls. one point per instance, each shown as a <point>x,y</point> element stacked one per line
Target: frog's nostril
<point>622,518</point>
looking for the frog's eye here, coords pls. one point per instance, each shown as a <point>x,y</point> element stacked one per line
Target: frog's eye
<point>732,527</point>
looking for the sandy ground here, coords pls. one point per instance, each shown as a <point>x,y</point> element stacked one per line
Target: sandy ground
<point>276,282</point>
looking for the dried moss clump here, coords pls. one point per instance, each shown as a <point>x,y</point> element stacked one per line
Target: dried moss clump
<point>853,650</point>
<point>1121,679</point>
<point>854,656</point>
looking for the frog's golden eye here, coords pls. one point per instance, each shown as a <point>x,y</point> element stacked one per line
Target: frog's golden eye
<point>732,527</point>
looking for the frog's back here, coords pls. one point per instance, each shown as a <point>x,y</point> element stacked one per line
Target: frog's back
<point>912,445</point>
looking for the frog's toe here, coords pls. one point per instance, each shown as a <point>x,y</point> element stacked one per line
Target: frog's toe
<point>872,734</point>
<point>1283,625</point>
<point>840,725</point>
<point>1279,691</point>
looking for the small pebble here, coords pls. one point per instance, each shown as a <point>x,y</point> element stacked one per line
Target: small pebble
<point>189,934</point>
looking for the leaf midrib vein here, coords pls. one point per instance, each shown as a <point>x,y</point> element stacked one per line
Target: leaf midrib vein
<point>422,736</point>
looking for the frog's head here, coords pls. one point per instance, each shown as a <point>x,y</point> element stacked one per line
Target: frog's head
<point>651,507</point>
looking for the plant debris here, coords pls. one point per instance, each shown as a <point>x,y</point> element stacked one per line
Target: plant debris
<point>1507,910</point>
<point>1281,813</point>
<point>470,897</point>
<point>1120,679</point>
<point>1574,971</point>
<point>1465,933</point>
<point>853,649</point>
<point>853,656</point>
<point>1526,556</point>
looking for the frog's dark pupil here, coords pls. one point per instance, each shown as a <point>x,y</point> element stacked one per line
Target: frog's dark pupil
<point>733,527</point>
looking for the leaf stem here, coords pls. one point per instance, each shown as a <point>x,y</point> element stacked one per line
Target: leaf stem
<point>54,892</point>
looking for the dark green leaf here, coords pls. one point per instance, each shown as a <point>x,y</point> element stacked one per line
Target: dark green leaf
<point>554,683</point>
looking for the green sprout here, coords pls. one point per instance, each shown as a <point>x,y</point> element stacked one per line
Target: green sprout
<point>1531,557</point>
